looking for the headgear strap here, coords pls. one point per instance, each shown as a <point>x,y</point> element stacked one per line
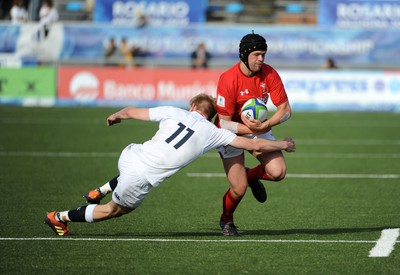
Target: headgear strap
<point>250,43</point>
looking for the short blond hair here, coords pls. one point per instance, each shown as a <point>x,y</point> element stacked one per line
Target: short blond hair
<point>205,104</point>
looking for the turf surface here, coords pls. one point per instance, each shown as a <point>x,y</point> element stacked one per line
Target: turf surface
<point>342,190</point>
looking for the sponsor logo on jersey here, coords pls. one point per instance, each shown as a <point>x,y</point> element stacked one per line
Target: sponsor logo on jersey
<point>245,92</point>
<point>221,101</point>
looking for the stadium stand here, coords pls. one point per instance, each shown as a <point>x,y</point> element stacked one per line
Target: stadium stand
<point>263,12</point>
<point>218,11</point>
<point>74,10</point>
<point>295,12</point>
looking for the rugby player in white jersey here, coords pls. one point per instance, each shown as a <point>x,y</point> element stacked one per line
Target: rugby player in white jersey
<point>182,137</point>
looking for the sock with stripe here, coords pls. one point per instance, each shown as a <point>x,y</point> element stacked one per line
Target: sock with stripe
<point>80,214</point>
<point>109,186</point>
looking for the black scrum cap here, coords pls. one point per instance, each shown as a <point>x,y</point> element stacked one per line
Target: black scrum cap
<point>250,43</point>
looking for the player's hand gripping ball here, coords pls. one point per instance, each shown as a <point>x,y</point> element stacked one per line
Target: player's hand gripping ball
<point>255,108</point>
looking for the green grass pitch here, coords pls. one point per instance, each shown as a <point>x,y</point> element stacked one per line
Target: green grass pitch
<point>342,190</point>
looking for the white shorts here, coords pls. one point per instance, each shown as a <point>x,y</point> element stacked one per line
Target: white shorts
<point>230,152</point>
<point>132,188</point>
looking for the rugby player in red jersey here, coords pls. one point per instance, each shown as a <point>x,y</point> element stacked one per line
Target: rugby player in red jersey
<point>249,78</point>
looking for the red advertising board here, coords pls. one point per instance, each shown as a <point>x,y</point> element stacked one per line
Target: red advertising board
<point>140,86</point>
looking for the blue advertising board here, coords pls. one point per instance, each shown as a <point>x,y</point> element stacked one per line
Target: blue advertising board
<point>343,90</point>
<point>156,12</point>
<point>8,38</point>
<point>286,45</point>
<point>301,45</point>
<point>367,14</point>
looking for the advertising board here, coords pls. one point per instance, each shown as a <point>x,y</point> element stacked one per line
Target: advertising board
<point>28,86</point>
<point>156,12</point>
<point>366,14</point>
<point>140,87</point>
<point>323,90</point>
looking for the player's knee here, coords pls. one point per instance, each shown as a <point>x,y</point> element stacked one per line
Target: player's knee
<point>276,179</point>
<point>117,211</point>
<point>238,187</point>
<point>277,175</point>
<point>238,191</point>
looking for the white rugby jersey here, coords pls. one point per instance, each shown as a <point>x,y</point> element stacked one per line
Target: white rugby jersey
<point>182,137</point>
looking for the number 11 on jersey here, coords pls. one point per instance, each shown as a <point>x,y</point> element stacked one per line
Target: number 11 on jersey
<point>177,132</point>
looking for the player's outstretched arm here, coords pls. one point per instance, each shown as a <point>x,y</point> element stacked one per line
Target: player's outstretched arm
<point>235,127</point>
<point>128,113</point>
<point>264,145</point>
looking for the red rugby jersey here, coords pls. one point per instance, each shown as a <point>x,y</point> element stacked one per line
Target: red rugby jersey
<point>235,88</point>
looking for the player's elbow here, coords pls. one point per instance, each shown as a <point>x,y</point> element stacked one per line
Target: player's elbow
<point>286,116</point>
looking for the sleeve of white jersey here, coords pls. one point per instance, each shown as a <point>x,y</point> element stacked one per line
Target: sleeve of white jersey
<point>221,137</point>
<point>159,113</point>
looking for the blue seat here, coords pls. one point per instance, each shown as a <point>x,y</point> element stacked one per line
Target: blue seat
<point>294,8</point>
<point>234,8</point>
<point>75,6</point>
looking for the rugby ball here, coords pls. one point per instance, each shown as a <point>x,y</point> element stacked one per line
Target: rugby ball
<point>255,108</point>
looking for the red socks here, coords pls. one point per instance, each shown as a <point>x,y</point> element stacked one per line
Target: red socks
<point>229,204</point>
<point>256,173</point>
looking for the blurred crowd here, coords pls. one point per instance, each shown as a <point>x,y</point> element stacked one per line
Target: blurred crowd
<point>255,11</point>
<point>122,53</point>
<point>20,11</point>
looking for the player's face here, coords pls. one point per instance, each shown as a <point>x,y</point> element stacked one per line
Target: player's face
<point>256,59</point>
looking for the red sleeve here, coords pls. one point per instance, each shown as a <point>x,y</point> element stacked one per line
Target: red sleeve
<point>226,96</point>
<point>277,90</point>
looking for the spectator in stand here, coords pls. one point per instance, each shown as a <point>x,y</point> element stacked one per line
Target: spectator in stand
<point>126,53</point>
<point>330,64</point>
<point>200,57</point>
<point>18,12</point>
<point>142,19</point>
<point>110,52</point>
<point>48,15</point>
<point>139,54</point>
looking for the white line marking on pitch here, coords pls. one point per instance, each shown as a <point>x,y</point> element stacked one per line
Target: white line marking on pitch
<point>385,245</point>
<point>183,240</point>
<point>314,176</point>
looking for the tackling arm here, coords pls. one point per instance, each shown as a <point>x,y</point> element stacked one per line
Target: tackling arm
<point>128,113</point>
<point>264,145</point>
<point>235,127</point>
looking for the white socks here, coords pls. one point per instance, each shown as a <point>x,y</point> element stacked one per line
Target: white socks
<point>62,216</point>
<point>89,212</point>
<point>105,189</point>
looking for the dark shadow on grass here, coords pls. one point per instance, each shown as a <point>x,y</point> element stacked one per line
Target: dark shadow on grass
<point>310,231</point>
<point>256,232</point>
